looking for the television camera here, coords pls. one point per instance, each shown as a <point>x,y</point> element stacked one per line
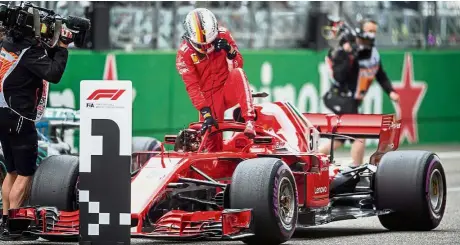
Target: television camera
<point>43,24</point>
<point>339,30</point>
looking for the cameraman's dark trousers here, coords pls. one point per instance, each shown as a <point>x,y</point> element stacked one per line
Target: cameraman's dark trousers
<point>19,139</point>
<point>341,102</point>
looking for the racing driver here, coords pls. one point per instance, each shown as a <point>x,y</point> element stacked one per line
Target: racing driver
<point>210,65</point>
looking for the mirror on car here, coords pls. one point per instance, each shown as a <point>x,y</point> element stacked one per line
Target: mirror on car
<point>170,139</point>
<point>263,140</point>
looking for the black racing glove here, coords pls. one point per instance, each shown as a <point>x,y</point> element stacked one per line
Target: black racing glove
<point>222,44</point>
<point>209,121</point>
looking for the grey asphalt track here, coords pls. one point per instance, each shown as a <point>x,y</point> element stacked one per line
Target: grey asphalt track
<point>368,230</point>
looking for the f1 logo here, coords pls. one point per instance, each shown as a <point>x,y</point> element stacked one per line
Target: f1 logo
<point>112,94</point>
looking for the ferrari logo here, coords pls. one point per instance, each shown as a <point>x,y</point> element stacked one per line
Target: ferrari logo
<point>195,59</point>
<point>435,187</point>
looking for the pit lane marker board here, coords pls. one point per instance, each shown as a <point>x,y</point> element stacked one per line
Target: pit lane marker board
<point>105,159</point>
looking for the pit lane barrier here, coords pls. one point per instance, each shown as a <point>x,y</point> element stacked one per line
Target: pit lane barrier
<point>105,157</point>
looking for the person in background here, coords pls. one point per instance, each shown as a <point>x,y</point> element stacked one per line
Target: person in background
<point>26,63</point>
<point>355,64</point>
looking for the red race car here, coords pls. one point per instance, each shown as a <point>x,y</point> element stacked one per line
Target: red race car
<point>260,190</point>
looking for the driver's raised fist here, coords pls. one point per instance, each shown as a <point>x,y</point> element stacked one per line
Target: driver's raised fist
<point>209,121</point>
<point>222,44</point>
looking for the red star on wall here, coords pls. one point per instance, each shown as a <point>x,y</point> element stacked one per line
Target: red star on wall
<point>411,95</point>
<point>110,71</point>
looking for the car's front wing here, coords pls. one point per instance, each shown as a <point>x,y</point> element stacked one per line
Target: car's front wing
<point>46,221</point>
<point>176,224</point>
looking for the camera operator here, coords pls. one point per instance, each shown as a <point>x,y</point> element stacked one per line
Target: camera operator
<point>355,64</point>
<point>26,64</point>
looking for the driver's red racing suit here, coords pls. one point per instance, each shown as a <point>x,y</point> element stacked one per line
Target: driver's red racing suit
<point>215,81</point>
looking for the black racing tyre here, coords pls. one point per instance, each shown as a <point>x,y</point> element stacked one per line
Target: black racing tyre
<point>413,185</point>
<point>54,183</point>
<point>140,144</point>
<point>145,144</point>
<point>266,185</point>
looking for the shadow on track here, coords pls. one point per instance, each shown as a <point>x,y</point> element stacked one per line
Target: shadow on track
<point>329,232</point>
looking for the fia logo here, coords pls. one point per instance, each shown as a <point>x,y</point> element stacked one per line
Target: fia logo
<point>89,105</point>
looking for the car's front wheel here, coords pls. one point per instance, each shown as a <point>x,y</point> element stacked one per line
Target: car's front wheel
<point>267,186</point>
<point>54,183</point>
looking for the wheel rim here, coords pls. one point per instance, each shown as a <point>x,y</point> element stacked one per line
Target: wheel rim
<point>286,202</point>
<point>436,191</point>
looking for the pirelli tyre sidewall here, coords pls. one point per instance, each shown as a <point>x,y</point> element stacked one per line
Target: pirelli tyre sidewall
<point>412,184</point>
<point>266,185</point>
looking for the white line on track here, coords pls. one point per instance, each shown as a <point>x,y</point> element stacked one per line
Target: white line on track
<point>449,154</point>
<point>453,189</point>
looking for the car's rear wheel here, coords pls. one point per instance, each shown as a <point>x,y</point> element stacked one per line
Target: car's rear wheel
<point>145,144</point>
<point>413,185</point>
<point>266,185</point>
<point>140,144</point>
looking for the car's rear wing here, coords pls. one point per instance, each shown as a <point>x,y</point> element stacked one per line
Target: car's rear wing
<point>380,126</point>
<point>354,125</point>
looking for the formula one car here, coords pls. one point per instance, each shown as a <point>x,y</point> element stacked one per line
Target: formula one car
<point>257,191</point>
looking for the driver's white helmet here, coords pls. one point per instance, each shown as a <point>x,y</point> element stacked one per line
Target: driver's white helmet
<point>201,29</point>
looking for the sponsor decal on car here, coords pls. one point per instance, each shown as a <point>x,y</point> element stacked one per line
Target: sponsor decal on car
<point>319,190</point>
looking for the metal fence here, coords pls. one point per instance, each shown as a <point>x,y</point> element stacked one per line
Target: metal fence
<point>419,25</point>
<point>255,25</point>
<point>273,24</point>
<point>282,24</point>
